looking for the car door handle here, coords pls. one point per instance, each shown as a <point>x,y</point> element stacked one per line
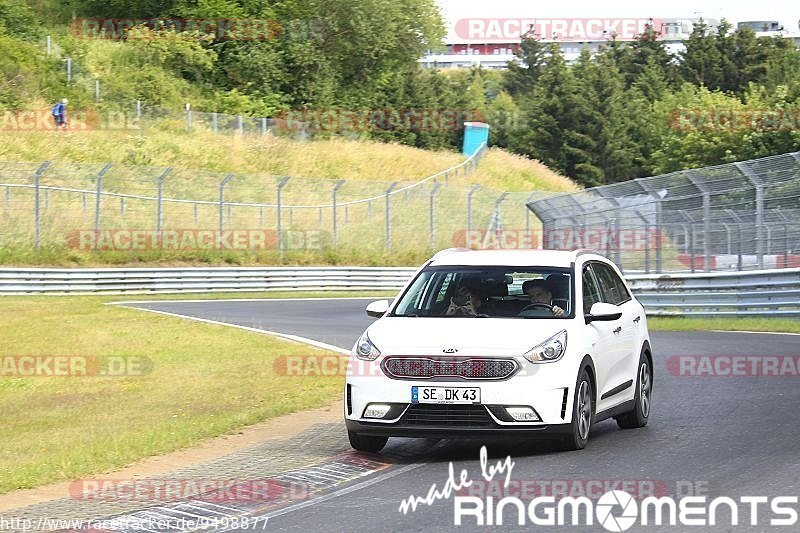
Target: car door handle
<point>619,328</point>
<point>637,319</point>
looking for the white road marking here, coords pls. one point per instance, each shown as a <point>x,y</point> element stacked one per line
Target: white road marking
<point>287,336</point>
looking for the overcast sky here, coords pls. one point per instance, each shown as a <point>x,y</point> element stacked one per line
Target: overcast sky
<point>785,11</point>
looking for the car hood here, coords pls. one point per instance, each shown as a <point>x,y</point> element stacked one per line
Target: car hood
<point>468,335</point>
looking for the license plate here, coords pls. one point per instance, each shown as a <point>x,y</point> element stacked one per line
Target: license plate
<point>445,395</point>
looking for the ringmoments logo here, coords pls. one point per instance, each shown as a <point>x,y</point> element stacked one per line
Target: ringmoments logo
<point>615,510</point>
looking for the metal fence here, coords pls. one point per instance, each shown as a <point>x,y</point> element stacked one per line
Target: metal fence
<point>761,293</point>
<point>736,216</point>
<point>88,206</point>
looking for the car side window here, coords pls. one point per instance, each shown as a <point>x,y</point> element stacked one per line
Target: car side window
<point>591,292</point>
<point>613,287</point>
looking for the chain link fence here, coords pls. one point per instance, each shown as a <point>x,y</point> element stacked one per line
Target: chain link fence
<point>105,206</point>
<point>736,216</point>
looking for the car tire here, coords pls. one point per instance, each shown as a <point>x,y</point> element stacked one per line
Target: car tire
<point>637,418</point>
<point>582,413</point>
<point>366,443</point>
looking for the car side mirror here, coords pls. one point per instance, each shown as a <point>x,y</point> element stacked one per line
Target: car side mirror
<point>377,308</point>
<point>603,312</point>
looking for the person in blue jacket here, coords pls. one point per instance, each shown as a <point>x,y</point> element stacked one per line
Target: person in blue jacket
<point>60,114</point>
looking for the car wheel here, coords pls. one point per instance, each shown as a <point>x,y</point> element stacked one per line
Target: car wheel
<point>366,443</point>
<point>637,418</point>
<point>582,413</point>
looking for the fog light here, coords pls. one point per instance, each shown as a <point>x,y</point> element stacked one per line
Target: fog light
<point>376,410</point>
<point>522,414</point>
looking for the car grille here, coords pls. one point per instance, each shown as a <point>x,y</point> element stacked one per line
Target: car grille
<point>427,368</point>
<point>447,415</point>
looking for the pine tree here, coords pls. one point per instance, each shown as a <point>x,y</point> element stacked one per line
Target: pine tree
<point>701,61</point>
<point>523,74</point>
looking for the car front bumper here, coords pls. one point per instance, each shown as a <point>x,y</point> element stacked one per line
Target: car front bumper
<point>546,388</point>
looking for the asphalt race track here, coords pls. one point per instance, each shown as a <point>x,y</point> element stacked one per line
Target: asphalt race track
<point>716,436</point>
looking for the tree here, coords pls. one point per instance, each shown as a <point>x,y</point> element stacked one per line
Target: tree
<point>523,74</point>
<point>701,61</point>
<point>648,51</point>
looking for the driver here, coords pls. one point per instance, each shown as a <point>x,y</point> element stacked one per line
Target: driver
<point>539,292</point>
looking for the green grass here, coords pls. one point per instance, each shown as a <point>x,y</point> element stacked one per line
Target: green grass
<point>207,380</point>
<point>367,167</point>
<point>780,325</point>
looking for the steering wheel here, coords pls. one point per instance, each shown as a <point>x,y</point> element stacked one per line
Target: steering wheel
<point>535,305</point>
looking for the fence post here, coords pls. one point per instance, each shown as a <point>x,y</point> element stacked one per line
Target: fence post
<point>188,117</point>
<point>48,45</point>
<point>333,204</point>
<point>263,127</point>
<point>472,191</point>
<point>281,185</point>
<point>240,124</point>
<point>138,110</point>
<point>97,200</point>
<point>69,69</point>
<point>122,207</point>
<point>758,183</point>
<point>37,216</point>
<point>96,90</point>
<point>700,184</point>
<point>528,200</point>
<point>222,185</point>
<point>160,204</point>
<point>389,216</point>
<point>432,230</point>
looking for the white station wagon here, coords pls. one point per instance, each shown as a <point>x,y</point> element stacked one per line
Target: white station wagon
<point>502,342</point>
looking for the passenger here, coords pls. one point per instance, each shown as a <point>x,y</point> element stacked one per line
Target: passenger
<point>468,302</point>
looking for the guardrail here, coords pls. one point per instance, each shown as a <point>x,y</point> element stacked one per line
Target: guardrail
<point>753,293</point>
<point>192,280</point>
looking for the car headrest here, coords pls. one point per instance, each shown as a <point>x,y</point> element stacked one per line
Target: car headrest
<point>495,289</point>
<point>559,285</point>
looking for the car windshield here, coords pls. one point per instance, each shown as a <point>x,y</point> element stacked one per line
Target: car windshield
<point>489,292</point>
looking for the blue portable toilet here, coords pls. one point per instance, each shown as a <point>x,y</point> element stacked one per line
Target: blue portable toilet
<point>475,134</point>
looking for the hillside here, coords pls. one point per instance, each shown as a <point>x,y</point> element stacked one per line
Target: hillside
<point>333,158</point>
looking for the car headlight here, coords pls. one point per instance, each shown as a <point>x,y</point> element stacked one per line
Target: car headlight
<point>365,349</point>
<point>550,350</point>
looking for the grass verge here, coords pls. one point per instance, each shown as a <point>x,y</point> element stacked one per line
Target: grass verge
<point>777,325</point>
<point>206,380</point>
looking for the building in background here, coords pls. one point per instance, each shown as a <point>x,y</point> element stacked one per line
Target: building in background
<point>493,42</point>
